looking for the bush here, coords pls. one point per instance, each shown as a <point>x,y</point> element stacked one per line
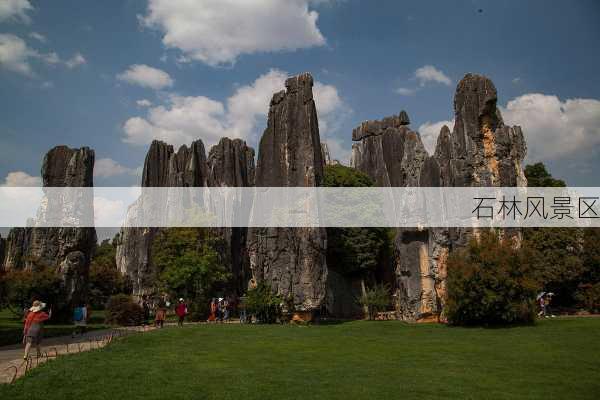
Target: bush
<point>375,299</point>
<point>491,283</point>
<point>588,296</point>
<point>122,310</point>
<point>264,304</point>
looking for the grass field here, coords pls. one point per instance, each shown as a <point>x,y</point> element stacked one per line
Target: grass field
<point>557,359</point>
<point>11,327</point>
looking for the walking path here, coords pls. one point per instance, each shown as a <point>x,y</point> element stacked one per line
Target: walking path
<point>12,364</point>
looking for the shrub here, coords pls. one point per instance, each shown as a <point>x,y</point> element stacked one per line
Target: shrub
<point>264,304</point>
<point>122,310</point>
<point>375,299</point>
<point>491,283</point>
<point>588,296</point>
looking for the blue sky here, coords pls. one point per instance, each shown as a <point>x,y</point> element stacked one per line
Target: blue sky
<point>112,75</point>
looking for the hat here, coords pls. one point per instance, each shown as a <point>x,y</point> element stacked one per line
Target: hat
<point>181,299</point>
<point>37,306</point>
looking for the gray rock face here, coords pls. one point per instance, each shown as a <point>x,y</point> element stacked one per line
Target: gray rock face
<point>231,164</point>
<point>291,260</point>
<point>480,151</point>
<point>389,152</point>
<point>32,248</point>
<point>162,168</point>
<point>16,247</point>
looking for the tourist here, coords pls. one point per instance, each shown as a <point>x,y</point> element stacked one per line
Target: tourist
<point>541,298</point>
<point>146,308</point>
<point>32,330</point>
<point>181,311</point>
<point>548,300</point>
<point>213,310</point>
<point>160,314</point>
<point>242,308</point>
<point>80,317</point>
<point>226,310</point>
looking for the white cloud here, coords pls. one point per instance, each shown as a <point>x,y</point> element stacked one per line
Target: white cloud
<point>218,31</point>
<point>107,167</point>
<point>430,131</point>
<point>338,150</point>
<point>38,37</point>
<point>184,119</point>
<point>405,91</point>
<point>20,178</point>
<point>145,76</point>
<point>75,61</point>
<point>429,73</point>
<point>14,54</point>
<point>553,128</point>
<point>143,103</point>
<point>15,9</point>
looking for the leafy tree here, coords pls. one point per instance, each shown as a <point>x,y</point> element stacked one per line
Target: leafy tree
<point>490,282</point>
<point>22,287</point>
<point>188,265</point>
<point>354,250</point>
<point>538,176</point>
<point>264,304</point>
<point>105,280</point>
<point>588,292</point>
<point>557,263</point>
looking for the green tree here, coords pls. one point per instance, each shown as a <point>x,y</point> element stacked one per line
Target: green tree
<point>557,263</point>
<point>188,266</point>
<point>375,299</point>
<point>105,280</point>
<point>354,250</point>
<point>490,282</point>
<point>264,304</point>
<point>538,176</point>
<point>24,286</point>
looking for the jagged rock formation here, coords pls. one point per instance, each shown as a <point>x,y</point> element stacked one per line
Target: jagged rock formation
<point>162,168</point>
<point>480,151</point>
<point>16,247</point>
<point>67,250</point>
<point>231,164</point>
<point>291,260</point>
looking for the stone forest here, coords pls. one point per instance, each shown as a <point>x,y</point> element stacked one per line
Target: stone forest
<point>480,151</point>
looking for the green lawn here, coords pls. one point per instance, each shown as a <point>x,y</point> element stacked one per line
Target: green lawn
<point>11,327</point>
<point>556,359</point>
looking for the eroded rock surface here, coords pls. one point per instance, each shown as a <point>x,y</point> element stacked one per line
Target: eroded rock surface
<point>163,167</point>
<point>291,260</point>
<point>480,151</point>
<point>32,248</point>
<point>231,164</point>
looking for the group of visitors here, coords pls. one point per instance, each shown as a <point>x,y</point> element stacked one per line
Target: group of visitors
<point>220,309</point>
<point>544,299</point>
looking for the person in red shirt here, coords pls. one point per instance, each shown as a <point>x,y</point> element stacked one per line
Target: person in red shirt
<point>32,329</point>
<point>181,311</point>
